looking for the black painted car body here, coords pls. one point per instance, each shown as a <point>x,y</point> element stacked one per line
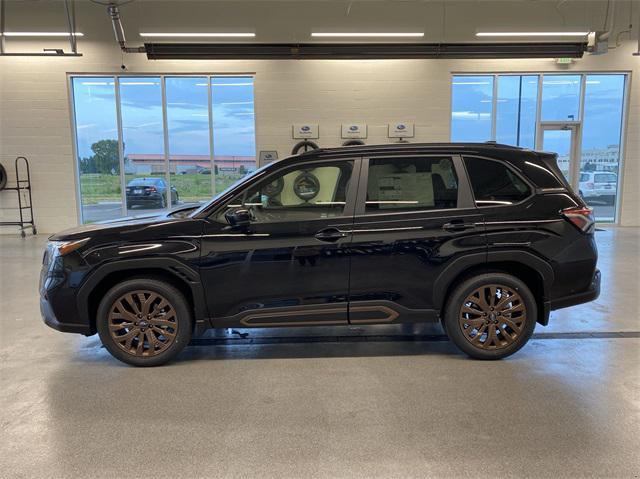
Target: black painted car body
<point>354,268</point>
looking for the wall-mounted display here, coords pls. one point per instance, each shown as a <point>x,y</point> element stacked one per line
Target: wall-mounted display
<point>306,130</point>
<point>267,157</point>
<point>401,129</point>
<point>306,186</point>
<point>354,130</point>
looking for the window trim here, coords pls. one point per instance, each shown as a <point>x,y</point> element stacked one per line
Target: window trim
<point>349,207</point>
<point>513,169</point>
<point>464,199</point>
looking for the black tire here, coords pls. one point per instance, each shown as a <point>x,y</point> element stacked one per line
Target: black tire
<point>499,345</point>
<point>353,143</point>
<point>305,145</point>
<point>162,202</point>
<point>3,178</point>
<point>175,299</point>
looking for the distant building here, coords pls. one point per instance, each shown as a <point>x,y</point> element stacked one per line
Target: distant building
<point>600,159</point>
<point>182,164</point>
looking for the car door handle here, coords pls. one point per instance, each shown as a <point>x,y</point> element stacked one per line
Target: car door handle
<point>330,234</point>
<point>458,226</point>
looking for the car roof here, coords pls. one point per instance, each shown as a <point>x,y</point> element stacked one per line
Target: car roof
<point>491,149</point>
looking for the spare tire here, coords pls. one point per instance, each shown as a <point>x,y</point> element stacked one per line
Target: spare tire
<point>353,142</point>
<point>3,177</point>
<point>305,145</point>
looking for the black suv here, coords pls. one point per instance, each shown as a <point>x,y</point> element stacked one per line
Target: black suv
<point>485,238</point>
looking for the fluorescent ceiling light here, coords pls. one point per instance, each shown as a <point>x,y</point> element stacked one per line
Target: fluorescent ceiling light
<point>367,34</point>
<point>532,34</point>
<point>196,35</point>
<point>40,34</point>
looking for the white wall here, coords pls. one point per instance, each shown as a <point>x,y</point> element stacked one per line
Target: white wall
<point>34,107</point>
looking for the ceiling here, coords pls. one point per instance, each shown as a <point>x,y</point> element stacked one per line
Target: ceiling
<point>289,21</point>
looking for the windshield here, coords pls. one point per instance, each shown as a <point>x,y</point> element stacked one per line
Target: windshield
<point>229,188</point>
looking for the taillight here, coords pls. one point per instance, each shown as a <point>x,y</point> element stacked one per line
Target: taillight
<point>152,189</point>
<point>580,217</point>
<point>589,186</point>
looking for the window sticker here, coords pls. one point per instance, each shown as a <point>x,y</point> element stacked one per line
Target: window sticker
<point>408,189</point>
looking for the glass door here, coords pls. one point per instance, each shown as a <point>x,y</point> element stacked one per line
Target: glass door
<point>562,139</point>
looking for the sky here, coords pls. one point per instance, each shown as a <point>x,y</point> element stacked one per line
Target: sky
<point>233,111</point>
<point>187,114</point>
<point>472,108</point>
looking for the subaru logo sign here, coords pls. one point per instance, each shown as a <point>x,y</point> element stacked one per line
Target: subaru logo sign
<point>305,128</point>
<point>401,126</point>
<point>268,156</point>
<point>353,128</point>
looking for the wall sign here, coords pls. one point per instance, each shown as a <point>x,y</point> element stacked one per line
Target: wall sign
<point>306,130</point>
<point>401,130</point>
<point>267,156</point>
<point>354,130</point>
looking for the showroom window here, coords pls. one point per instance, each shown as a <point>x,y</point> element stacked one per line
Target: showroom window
<point>411,184</point>
<point>147,143</point>
<point>579,116</point>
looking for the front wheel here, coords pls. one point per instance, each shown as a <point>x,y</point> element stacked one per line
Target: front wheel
<point>490,316</point>
<point>144,322</point>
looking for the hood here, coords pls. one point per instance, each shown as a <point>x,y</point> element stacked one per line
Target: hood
<point>115,227</point>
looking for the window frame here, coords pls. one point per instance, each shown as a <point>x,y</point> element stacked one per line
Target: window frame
<point>539,123</point>
<point>464,200</point>
<point>514,170</point>
<point>350,203</point>
<point>116,77</point>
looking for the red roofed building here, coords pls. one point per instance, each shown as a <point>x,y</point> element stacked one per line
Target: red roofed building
<point>154,163</point>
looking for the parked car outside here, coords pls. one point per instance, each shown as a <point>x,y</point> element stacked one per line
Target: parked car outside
<point>485,239</point>
<point>599,185</point>
<point>149,193</point>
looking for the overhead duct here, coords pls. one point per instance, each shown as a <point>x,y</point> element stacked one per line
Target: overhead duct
<point>360,51</point>
<point>118,30</point>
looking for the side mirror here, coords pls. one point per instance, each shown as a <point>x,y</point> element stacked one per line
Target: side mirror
<point>240,218</point>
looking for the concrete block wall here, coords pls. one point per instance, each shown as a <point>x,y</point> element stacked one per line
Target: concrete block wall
<point>35,117</point>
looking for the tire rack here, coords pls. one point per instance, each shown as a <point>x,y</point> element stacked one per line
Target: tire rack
<point>22,185</point>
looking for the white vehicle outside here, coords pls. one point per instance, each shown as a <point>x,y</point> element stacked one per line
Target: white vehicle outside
<point>598,185</point>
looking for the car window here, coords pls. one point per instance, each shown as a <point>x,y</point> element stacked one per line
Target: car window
<point>159,182</point>
<point>494,183</point>
<point>584,177</point>
<point>605,178</point>
<point>411,184</point>
<point>317,190</point>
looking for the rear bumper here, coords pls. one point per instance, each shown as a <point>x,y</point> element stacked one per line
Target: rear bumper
<point>583,297</point>
<point>50,320</point>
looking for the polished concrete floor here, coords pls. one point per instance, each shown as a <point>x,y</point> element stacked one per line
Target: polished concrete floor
<point>362,402</point>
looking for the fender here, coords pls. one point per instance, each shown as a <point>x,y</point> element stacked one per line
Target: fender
<point>458,266</point>
<point>178,269</point>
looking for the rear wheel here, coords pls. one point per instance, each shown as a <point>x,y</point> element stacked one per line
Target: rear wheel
<point>144,322</point>
<point>490,316</point>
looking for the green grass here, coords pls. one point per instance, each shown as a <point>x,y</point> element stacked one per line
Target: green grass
<point>191,187</point>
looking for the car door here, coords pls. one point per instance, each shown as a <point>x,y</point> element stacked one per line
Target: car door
<point>290,264</point>
<point>415,217</point>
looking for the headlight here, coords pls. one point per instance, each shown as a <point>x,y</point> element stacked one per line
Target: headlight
<point>62,248</point>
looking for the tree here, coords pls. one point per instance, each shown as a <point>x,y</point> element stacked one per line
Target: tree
<point>105,158</point>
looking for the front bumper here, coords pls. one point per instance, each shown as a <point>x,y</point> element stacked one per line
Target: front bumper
<point>50,320</point>
<point>590,294</point>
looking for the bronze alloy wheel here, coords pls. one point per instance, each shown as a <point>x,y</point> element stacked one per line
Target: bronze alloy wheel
<point>492,317</point>
<point>143,323</point>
